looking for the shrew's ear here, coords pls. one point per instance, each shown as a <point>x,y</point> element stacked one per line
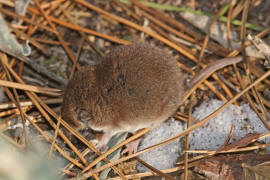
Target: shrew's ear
<point>84,115</point>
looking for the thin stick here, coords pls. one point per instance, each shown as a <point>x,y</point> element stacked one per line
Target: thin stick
<point>48,91</point>
<point>166,176</point>
<point>55,136</point>
<point>187,137</point>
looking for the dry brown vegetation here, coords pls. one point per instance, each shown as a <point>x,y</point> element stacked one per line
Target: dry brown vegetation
<point>67,34</point>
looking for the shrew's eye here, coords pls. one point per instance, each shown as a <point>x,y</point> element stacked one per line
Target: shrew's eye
<point>84,115</point>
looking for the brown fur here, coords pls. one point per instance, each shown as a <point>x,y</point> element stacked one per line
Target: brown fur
<point>135,86</point>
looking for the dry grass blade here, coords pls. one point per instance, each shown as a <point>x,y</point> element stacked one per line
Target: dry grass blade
<point>10,112</point>
<point>206,39</point>
<point>263,136</point>
<point>228,137</point>
<point>77,57</point>
<point>54,138</point>
<point>244,20</point>
<point>42,90</point>
<point>166,176</point>
<point>29,103</point>
<point>229,24</point>
<point>67,172</point>
<point>187,136</point>
<point>244,149</point>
